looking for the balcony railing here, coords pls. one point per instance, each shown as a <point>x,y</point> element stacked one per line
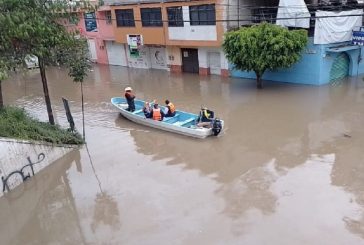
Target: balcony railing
<point>269,14</point>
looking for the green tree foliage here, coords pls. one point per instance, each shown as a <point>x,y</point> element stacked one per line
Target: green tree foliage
<point>264,47</point>
<point>37,27</point>
<point>79,64</point>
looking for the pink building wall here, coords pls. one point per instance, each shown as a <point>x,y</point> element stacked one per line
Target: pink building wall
<point>98,36</point>
<point>106,30</point>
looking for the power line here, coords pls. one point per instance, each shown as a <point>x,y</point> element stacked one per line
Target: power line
<point>227,20</point>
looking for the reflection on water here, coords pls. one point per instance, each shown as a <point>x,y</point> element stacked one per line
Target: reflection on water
<point>297,190</point>
<point>287,170</point>
<point>39,215</point>
<point>106,212</point>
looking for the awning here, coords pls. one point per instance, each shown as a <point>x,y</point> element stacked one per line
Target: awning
<point>340,49</point>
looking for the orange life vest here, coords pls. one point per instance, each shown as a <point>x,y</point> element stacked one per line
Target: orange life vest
<point>157,114</point>
<point>172,109</point>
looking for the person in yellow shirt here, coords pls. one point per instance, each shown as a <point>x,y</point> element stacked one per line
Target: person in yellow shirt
<point>171,109</point>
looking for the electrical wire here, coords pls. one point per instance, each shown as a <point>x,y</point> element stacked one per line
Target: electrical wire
<point>227,20</point>
<point>260,15</point>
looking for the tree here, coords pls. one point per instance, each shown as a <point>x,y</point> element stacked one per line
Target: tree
<point>35,27</point>
<point>264,47</point>
<point>79,64</point>
<point>3,75</point>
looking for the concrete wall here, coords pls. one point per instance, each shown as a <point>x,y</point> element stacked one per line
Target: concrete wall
<point>174,55</point>
<point>193,33</point>
<point>101,52</point>
<point>151,35</point>
<point>313,68</point>
<point>149,57</point>
<point>196,36</point>
<point>106,30</point>
<point>203,58</point>
<point>174,59</point>
<point>13,156</point>
<point>205,62</point>
<point>355,68</point>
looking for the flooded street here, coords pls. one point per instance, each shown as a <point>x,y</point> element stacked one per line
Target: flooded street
<point>288,169</point>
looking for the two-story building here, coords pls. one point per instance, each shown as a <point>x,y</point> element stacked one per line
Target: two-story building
<point>180,36</point>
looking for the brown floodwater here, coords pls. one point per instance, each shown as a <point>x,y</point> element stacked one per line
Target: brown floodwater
<point>288,169</point>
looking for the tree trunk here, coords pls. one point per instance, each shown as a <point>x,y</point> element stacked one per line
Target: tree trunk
<point>45,90</point>
<point>1,97</point>
<point>259,80</point>
<point>83,113</point>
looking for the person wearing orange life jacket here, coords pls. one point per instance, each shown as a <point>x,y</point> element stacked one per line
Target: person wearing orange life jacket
<point>157,114</point>
<point>171,109</point>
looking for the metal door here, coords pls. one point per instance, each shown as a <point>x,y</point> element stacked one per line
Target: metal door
<point>116,53</point>
<point>340,67</point>
<point>190,60</point>
<point>215,63</point>
<point>92,49</point>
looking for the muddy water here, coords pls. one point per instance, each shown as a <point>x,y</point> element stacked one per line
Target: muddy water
<point>289,168</point>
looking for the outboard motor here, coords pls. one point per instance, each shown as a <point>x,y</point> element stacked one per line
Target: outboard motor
<point>216,126</point>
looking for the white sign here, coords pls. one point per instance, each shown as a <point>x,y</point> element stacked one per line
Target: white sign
<point>134,41</point>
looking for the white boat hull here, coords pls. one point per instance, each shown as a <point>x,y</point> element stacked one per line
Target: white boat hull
<point>196,132</point>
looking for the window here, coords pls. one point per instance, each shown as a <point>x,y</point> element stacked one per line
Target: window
<point>151,16</point>
<point>124,17</point>
<point>175,16</point>
<point>203,15</point>
<point>108,17</point>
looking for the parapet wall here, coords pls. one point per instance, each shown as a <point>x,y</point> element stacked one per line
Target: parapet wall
<point>20,159</point>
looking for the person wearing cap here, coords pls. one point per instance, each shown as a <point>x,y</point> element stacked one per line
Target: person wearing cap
<point>206,118</point>
<point>171,112</point>
<point>129,96</point>
<point>157,114</point>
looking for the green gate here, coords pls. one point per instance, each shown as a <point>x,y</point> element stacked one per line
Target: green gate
<point>340,67</point>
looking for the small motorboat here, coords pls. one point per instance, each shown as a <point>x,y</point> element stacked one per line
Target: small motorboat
<point>182,123</point>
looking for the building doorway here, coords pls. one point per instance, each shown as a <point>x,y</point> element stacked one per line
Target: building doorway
<point>116,53</point>
<point>215,63</point>
<point>190,60</point>
<point>340,67</point>
<point>92,49</point>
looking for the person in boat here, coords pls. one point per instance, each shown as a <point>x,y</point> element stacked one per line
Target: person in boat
<point>147,110</point>
<point>171,109</point>
<point>205,118</point>
<point>157,114</point>
<point>129,96</point>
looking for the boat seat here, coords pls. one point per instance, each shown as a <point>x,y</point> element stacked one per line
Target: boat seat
<point>137,111</point>
<point>122,105</point>
<point>166,119</point>
<point>181,123</point>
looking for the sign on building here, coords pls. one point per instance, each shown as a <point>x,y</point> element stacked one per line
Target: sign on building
<point>358,37</point>
<point>134,42</point>
<point>90,22</point>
